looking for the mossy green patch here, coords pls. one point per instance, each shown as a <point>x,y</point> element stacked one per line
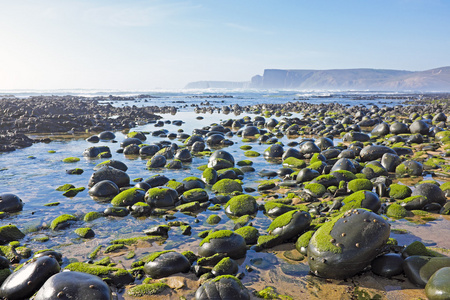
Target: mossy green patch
<point>322,238</point>
<point>135,240</point>
<point>282,220</point>
<point>345,175</point>
<point>303,240</point>
<point>152,256</point>
<point>249,233</point>
<point>71,159</point>
<point>91,216</point>
<point>316,188</point>
<point>188,207</point>
<point>220,234</point>
<point>65,187</point>
<point>94,253</point>
<point>396,211</point>
<point>251,153</point>
<point>127,197</point>
<point>292,162</point>
<point>213,219</point>
<point>147,289</point>
<point>226,186</point>
<point>209,175</point>
<point>174,184</point>
<point>52,204</point>
<point>84,232</point>
<point>101,271</point>
<point>244,162</point>
<point>360,185</point>
<point>114,247</point>
<point>353,201</point>
<point>245,147</point>
<point>242,205</point>
<point>62,219</point>
<point>399,191</point>
<point>318,166</point>
<point>73,192</point>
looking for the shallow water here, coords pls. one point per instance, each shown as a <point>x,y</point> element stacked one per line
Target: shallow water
<point>33,174</point>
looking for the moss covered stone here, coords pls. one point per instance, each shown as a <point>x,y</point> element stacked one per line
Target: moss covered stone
<point>355,200</point>
<point>117,275</point>
<point>251,153</point>
<point>399,191</point>
<point>344,175</point>
<point>245,147</point>
<point>241,205</point>
<point>65,187</point>
<point>316,189</point>
<point>318,166</point>
<point>128,197</point>
<point>220,234</point>
<point>245,162</point>
<point>73,192</point>
<point>268,241</point>
<point>213,219</point>
<point>282,220</point>
<point>114,247</point>
<point>85,232</point>
<point>147,289</point>
<point>209,175</point>
<point>152,256</point>
<point>303,240</point>
<point>190,207</point>
<point>360,185</point>
<point>10,233</point>
<point>292,162</point>
<point>226,186</point>
<point>322,238</point>
<point>71,159</point>
<point>396,211</point>
<point>91,216</point>
<point>62,221</point>
<point>249,233</point>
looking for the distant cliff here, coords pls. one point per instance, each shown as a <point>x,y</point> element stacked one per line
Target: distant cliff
<point>342,79</point>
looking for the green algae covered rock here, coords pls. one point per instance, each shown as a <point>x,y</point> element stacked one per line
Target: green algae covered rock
<point>414,202</point>
<point>396,211</point>
<point>193,195</point>
<point>128,197</point>
<point>356,185</point>
<point>213,219</point>
<point>226,266</point>
<point>347,244</point>
<point>292,162</point>
<point>73,192</point>
<point>65,187</point>
<point>290,224</point>
<point>315,189</point>
<point>223,241</point>
<point>85,232</point>
<point>91,216</point>
<point>62,221</point>
<point>209,176</point>
<point>249,233</point>
<point>241,205</point>
<point>274,209</point>
<point>303,241</point>
<point>222,287</point>
<point>166,263</point>
<point>399,191</point>
<point>226,186</point>
<point>438,286</point>
<point>71,159</point>
<point>9,233</point>
<point>362,199</point>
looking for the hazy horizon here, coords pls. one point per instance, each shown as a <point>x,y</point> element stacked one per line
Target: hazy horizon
<point>144,45</point>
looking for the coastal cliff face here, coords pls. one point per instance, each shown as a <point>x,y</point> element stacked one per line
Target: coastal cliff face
<point>342,79</point>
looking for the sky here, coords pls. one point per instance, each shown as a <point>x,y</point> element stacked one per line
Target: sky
<point>142,45</point>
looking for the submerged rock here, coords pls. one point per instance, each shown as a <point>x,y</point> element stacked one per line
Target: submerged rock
<point>166,263</point>
<point>222,288</point>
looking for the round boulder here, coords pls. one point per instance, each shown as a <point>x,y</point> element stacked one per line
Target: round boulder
<point>166,263</point>
<point>223,241</point>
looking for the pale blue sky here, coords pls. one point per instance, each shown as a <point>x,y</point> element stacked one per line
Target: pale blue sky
<point>54,44</point>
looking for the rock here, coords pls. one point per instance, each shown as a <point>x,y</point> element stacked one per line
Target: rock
<point>120,178</point>
<point>184,155</point>
<point>226,266</point>
<point>390,161</point>
<point>355,136</point>
<point>106,135</point>
<point>343,164</point>
<point>226,186</point>
<point>149,150</point>
<point>27,280</point>
<point>290,224</point>
<point>112,163</point>
<point>157,180</point>
<point>9,233</point>
<point>10,203</point>
<point>193,195</point>
<point>223,241</point>
<point>166,263</point>
<point>374,152</point>
<point>130,141</point>
<point>116,212</point>
<point>161,197</point>
<point>409,167</point>
<point>306,174</point>
<point>209,176</point>
<point>93,152</point>
<point>398,128</point>
<point>381,129</point>
<point>432,192</point>
<point>274,151</point>
<point>309,147</point>
<point>241,205</point>
<point>104,189</point>
<point>414,202</point>
<point>157,161</point>
<point>388,265</point>
<point>74,285</point>
<point>438,286</point>
<point>362,199</point>
<point>249,233</point>
<point>419,269</point>
<point>346,245</point>
<point>222,288</point>
<point>131,150</point>
<point>129,197</point>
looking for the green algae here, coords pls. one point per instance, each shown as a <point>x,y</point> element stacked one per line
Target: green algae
<point>316,188</point>
<point>91,216</point>
<point>360,185</point>
<point>292,162</point>
<point>84,232</point>
<point>322,238</point>
<point>245,147</point>
<point>94,253</point>
<point>251,153</point>
<point>71,159</point>
<point>282,220</point>
<point>73,192</point>
<point>209,175</point>
<point>126,197</point>
<point>62,219</point>
<point>399,191</point>
<point>188,207</point>
<point>226,186</point>
<point>153,256</point>
<point>249,233</point>
<point>353,201</point>
<point>65,187</point>
<point>396,211</point>
<point>242,205</point>
<point>147,289</point>
<point>101,271</point>
<point>114,247</point>
<point>244,162</point>
<point>135,240</point>
<point>346,175</point>
<point>52,204</point>
<point>220,234</point>
<point>303,240</point>
<point>213,219</point>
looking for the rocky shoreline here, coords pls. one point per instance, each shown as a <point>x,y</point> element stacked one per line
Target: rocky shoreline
<point>66,114</point>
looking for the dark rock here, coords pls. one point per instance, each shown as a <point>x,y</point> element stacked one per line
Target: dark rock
<point>222,288</point>
<point>157,161</point>
<point>106,135</point>
<point>74,285</point>
<point>290,224</point>
<point>120,178</point>
<point>374,152</point>
<point>112,163</point>
<point>348,244</point>
<point>419,269</point>
<point>130,141</point>
<point>344,164</point>
<point>104,188</point>
<point>381,129</point>
<point>28,279</point>
<point>93,152</point>
<point>149,150</point>
<point>166,264</point>
<point>438,286</point>
<point>131,150</point>
<point>274,151</point>
<point>390,161</point>
<point>431,191</point>
<point>309,147</point>
<point>307,174</point>
<point>388,265</point>
<point>398,128</point>
<point>10,203</point>
<point>223,241</point>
